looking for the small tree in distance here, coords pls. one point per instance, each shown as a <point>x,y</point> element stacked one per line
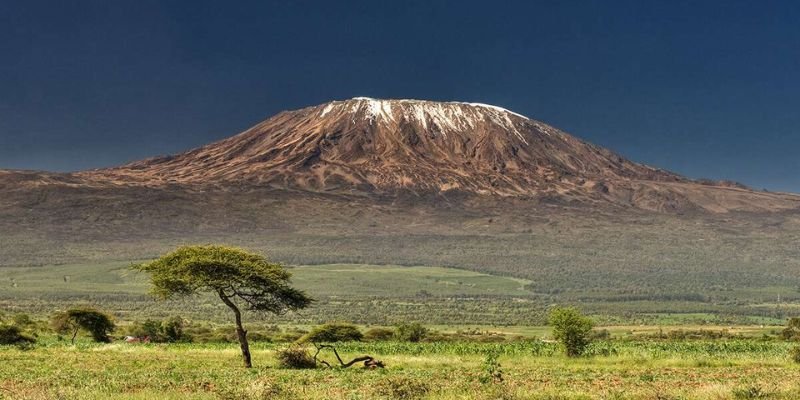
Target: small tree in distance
<point>13,335</point>
<point>410,332</point>
<point>97,323</point>
<point>333,332</point>
<point>571,328</point>
<point>792,330</point>
<point>237,277</point>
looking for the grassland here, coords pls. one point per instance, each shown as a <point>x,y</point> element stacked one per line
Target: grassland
<point>624,268</point>
<point>336,280</point>
<point>636,362</point>
<point>739,369</point>
<point>370,294</point>
<point>388,294</point>
<point>640,279</point>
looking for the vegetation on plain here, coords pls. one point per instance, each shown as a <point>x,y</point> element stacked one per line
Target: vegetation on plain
<point>234,275</point>
<point>571,328</point>
<point>334,332</point>
<point>13,335</point>
<point>410,332</point>
<point>97,323</point>
<point>191,358</point>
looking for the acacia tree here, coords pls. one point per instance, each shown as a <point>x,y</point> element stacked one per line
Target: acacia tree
<point>237,277</point>
<point>97,323</point>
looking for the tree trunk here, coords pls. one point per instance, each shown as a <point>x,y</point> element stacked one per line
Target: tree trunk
<point>240,332</point>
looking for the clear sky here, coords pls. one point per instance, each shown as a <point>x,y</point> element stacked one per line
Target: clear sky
<point>703,88</point>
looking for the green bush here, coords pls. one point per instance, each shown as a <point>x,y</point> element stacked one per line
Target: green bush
<point>792,330</point>
<point>98,324</point>
<point>333,332</point>
<point>413,332</point>
<point>295,357</point>
<point>571,328</point>
<point>170,330</point>
<point>795,354</point>
<point>12,335</point>
<point>149,328</point>
<point>379,334</point>
<point>491,372</point>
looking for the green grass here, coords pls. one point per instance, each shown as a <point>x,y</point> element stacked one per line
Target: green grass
<point>371,294</point>
<point>348,280</point>
<point>378,294</point>
<point>634,370</point>
<point>337,280</point>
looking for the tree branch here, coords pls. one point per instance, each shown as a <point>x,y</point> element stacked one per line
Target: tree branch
<point>369,361</point>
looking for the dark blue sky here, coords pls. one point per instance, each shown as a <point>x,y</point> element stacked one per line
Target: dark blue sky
<point>707,89</point>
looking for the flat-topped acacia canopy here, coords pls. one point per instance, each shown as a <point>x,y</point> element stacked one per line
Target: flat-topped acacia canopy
<point>235,275</point>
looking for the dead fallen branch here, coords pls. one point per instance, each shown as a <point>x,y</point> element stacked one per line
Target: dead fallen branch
<point>369,361</point>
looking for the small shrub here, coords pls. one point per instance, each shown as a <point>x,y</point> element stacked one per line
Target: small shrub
<point>334,332</point>
<point>413,332</point>
<point>571,328</point>
<point>149,328</point>
<point>170,330</point>
<point>792,330</point>
<point>12,335</point>
<point>379,334</point>
<point>795,354</point>
<point>295,357</point>
<point>491,372</point>
<point>401,387</point>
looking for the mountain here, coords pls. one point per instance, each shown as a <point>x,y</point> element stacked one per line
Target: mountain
<point>375,170</point>
<point>385,145</point>
<point>366,146</point>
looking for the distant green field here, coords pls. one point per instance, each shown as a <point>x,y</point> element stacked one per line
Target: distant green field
<point>376,294</point>
<point>347,280</point>
<point>337,280</point>
<point>360,293</point>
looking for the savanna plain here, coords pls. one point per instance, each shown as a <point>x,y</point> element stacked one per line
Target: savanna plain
<point>678,354</point>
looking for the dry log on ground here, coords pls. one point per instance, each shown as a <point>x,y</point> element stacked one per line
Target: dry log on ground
<point>369,361</point>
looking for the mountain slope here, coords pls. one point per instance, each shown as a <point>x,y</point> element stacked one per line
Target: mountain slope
<point>368,147</point>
